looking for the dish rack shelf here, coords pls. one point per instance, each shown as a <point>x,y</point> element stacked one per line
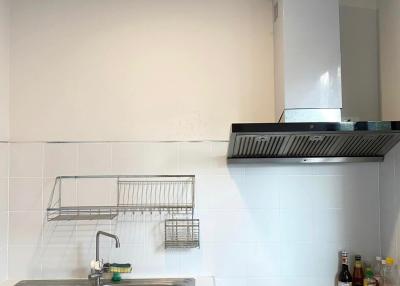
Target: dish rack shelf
<point>129,194</point>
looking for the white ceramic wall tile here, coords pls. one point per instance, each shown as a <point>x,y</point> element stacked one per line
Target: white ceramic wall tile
<point>230,282</point>
<point>26,194</point>
<point>3,265</point>
<point>4,154</point>
<point>295,192</point>
<point>131,229</point>
<point>94,158</point>
<point>4,162</point>
<point>145,158</point>
<point>328,192</point>
<point>54,260</point>
<point>158,261</point>
<point>265,281</point>
<point>69,196</point>
<point>86,233</point>
<point>96,192</point>
<point>220,192</point>
<point>261,192</point>
<point>264,226</point>
<point>196,158</point>
<point>3,194</point>
<point>226,260</point>
<point>331,225</point>
<point>279,169</point>
<point>26,160</point>
<point>193,262</point>
<point>225,226</point>
<point>264,260</point>
<point>389,203</point>
<point>59,233</point>
<point>327,257</point>
<point>23,262</point>
<point>3,230</point>
<point>300,281</point>
<point>206,158</point>
<point>295,259</point>
<point>219,152</point>
<point>61,159</point>
<point>25,228</point>
<point>296,225</point>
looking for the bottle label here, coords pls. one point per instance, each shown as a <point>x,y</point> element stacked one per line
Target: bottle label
<point>344,283</point>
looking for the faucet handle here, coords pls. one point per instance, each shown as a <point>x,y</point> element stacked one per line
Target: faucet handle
<point>96,265</point>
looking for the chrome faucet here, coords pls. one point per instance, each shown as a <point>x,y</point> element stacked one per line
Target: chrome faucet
<point>98,269</point>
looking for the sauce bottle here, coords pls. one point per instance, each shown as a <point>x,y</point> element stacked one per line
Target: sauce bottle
<point>358,272</point>
<point>344,278</point>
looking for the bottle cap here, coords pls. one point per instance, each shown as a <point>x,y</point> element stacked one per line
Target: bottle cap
<point>344,253</point>
<point>358,257</point>
<point>389,261</point>
<point>378,258</point>
<point>383,262</point>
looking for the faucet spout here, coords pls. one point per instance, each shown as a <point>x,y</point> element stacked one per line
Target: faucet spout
<point>117,244</point>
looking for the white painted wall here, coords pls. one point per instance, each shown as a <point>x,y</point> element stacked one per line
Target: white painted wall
<point>259,223</point>
<point>139,70</point>
<point>360,61</point>
<point>389,26</point>
<point>4,68</point>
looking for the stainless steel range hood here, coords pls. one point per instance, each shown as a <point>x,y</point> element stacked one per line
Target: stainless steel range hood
<point>312,142</point>
<point>308,97</point>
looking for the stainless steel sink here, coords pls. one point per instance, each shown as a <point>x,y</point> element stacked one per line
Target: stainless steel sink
<point>125,282</point>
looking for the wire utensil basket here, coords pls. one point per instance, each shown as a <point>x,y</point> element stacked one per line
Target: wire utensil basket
<point>182,233</point>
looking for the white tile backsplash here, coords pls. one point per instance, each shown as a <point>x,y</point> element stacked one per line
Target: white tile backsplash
<point>260,224</point>
<point>26,194</point>
<point>389,187</point>
<point>24,262</point>
<point>55,258</point>
<point>26,228</point>
<point>3,194</point>
<point>94,158</point>
<point>26,160</point>
<point>296,225</point>
<point>4,160</point>
<point>60,159</point>
<point>4,174</point>
<point>3,264</point>
<point>4,230</point>
<point>96,192</point>
<point>145,158</point>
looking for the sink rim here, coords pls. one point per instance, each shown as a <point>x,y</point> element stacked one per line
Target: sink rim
<point>106,282</point>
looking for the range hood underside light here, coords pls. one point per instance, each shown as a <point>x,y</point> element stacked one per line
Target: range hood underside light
<point>312,142</point>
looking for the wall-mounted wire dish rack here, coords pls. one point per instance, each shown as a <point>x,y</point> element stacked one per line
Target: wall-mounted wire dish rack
<point>170,195</point>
